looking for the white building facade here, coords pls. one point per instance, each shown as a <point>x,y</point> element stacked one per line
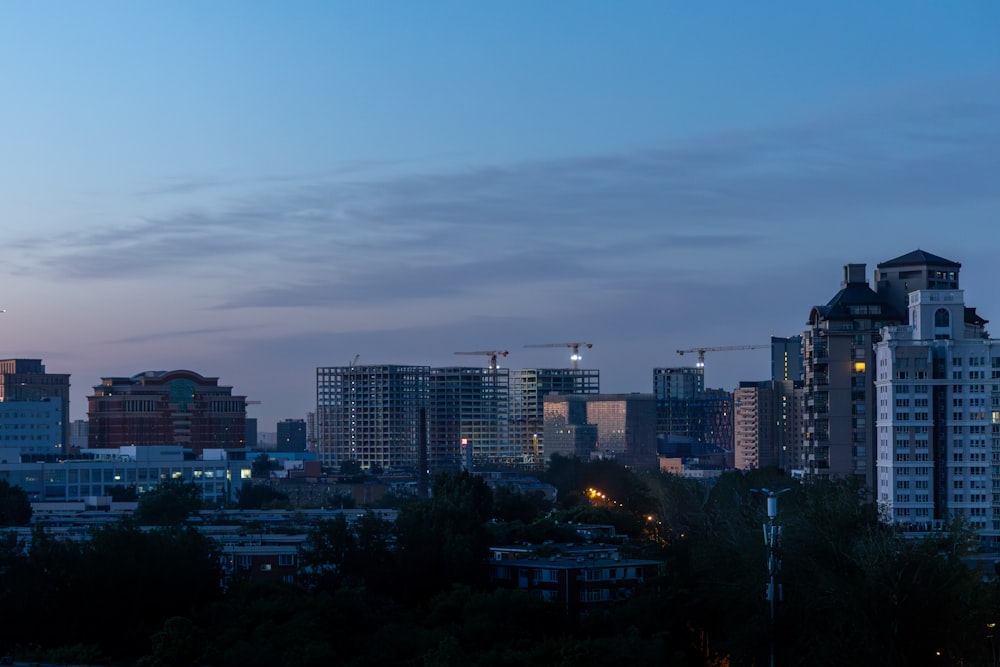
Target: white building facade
<point>937,382</point>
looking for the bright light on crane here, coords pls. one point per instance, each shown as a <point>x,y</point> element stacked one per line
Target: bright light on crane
<point>492,354</point>
<point>719,348</point>
<point>576,358</point>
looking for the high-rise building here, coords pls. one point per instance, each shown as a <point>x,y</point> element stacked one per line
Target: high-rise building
<point>755,409</point>
<point>374,415</point>
<point>683,383</point>
<point>528,389</point>
<point>938,388</point>
<point>786,358</point>
<point>177,407</point>
<point>468,408</point>
<point>291,435</point>
<point>26,380</point>
<point>838,421</point>
<point>691,420</point>
<point>768,424</point>
<point>838,352</point>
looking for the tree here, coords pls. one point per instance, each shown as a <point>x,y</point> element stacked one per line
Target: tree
<point>170,503</point>
<point>443,540</point>
<point>512,505</point>
<point>15,508</point>
<point>260,496</point>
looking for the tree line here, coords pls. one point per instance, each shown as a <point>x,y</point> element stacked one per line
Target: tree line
<point>415,592</point>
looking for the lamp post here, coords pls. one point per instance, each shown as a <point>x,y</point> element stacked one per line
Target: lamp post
<point>772,538</point>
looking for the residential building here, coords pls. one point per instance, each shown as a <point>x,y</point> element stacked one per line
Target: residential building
<point>528,389</point>
<point>468,411</point>
<point>160,408</point>
<point>26,380</point>
<point>938,385</point>
<point>374,415</point>
<point>578,579</point>
<point>768,424</point>
<point>838,351</point>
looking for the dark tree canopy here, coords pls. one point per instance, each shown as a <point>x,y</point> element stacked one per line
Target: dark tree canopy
<point>15,508</point>
<point>169,504</point>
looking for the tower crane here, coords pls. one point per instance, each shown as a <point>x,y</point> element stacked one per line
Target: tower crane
<point>575,357</point>
<point>718,348</point>
<point>492,354</point>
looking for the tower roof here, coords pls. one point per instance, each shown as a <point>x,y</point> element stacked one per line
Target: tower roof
<point>919,257</point>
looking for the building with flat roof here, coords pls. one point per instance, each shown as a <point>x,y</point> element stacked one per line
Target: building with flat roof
<point>374,415</point>
<point>218,474</point>
<point>162,408</point>
<point>528,389</point>
<point>468,410</point>
<point>27,380</point>
<point>618,426</point>
<point>291,435</point>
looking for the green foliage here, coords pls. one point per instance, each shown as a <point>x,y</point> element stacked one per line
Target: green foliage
<point>169,504</point>
<point>261,496</point>
<point>262,466</point>
<point>512,505</point>
<point>350,468</point>
<point>124,578</point>
<point>15,508</point>
<point>336,553</point>
<point>443,540</point>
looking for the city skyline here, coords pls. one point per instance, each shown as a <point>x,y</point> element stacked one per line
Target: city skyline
<point>252,191</point>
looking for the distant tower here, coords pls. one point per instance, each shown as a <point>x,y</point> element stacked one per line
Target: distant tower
<point>786,358</point>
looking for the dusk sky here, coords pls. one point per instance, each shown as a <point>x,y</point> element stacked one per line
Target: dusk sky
<point>251,189</point>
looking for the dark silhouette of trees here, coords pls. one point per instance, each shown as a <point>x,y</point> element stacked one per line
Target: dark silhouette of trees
<point>169,504</point>
<point>261,496</point>
<point>15,508</point>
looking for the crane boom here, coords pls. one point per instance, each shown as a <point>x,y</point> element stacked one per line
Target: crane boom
<point>492,354</point>
<point>575,357</point>
<point>717,348</point>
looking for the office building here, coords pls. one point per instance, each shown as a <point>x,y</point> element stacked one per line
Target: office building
<point>100,472</point>
<point>938,388</point>
<point>528,389</point>
<point>618,426</point>
<point>690,419</point>
<point>159,408</point>
<point>26,380</point>
<point>374,415</point>
<point>291,435</point>
<point>468,412</point>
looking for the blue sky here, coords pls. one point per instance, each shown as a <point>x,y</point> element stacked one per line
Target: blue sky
<point>254,189</point>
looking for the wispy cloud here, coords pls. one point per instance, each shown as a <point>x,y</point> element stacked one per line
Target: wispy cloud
<point>359,236</point>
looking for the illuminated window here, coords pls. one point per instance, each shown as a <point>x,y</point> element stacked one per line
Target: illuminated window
<point>859,367</point>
